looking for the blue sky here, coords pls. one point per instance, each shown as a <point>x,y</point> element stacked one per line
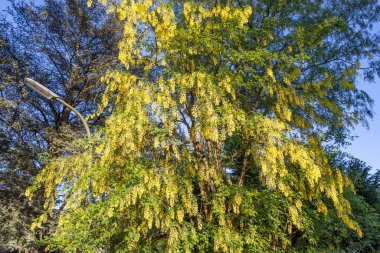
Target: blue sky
<point>367,145</point>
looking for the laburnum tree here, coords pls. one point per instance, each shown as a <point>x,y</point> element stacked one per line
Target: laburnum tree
<point>218,127</point>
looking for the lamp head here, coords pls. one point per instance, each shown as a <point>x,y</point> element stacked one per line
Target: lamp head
<point>40,89</point>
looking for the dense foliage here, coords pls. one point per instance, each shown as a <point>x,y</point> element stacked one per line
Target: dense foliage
<point>224,121</point>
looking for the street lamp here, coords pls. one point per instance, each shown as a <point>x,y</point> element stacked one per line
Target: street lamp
<point>49,95</point>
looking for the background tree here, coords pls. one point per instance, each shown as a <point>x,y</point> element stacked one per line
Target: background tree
<point>66,47</point>
<point>365,210</point>
<point>365,206</point>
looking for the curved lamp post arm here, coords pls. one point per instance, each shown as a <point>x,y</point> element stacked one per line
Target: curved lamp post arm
<point>78,114</point>
<point>48,94</point>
